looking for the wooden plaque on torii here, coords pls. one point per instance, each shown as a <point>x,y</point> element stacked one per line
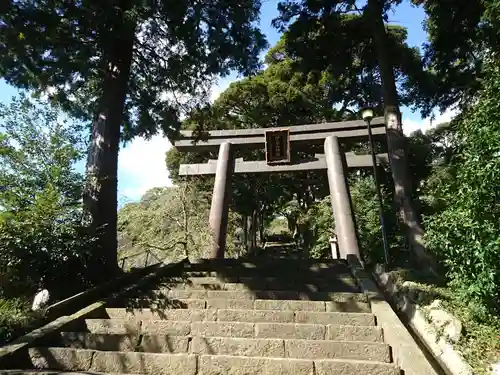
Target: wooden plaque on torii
<point>278,146</point>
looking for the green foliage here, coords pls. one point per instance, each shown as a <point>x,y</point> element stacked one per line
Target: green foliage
<point>320,227</point>
<point>40,211</point>
<point>177,48</point>
<point>172,221</point>
<point>466,233</point>
<point>316,223</point>
<point>277,226</point>
<point>16,319</point>
<point>132,68</point>
<point>333,41</point>
<point>461,38</point>
<point>479,343</point>
<point>37,150</point>
<point>430,159</point>
<point>366,210</point>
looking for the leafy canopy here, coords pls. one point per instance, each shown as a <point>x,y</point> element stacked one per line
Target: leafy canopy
<point>178,47</point>
<point>335,38</point>
<point>40,209</point>
<point>465,233</point>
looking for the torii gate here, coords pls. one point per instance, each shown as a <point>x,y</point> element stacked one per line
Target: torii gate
<point>281,145</point>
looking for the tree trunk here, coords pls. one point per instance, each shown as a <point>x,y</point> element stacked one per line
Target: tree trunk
<point>261,227</point>
<point>100,194</point>
<point>253,230</point>
<point>245,232</point>
<point>389,89</point>
<point>185,221</point>
<point>396,141</point>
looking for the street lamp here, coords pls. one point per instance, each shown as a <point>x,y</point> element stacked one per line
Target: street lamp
<point>367,114</point>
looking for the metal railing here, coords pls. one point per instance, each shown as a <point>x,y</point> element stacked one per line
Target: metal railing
<point>148,259</point>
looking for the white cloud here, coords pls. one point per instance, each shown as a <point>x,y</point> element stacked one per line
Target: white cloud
<point>411,125</point>
<point>141,166</point>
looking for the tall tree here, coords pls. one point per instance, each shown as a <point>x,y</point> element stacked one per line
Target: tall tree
<point>465,233</point>
<point>40,211</point>
<point>355,30</point>
<point>462,34</point>
<point>132,67</point>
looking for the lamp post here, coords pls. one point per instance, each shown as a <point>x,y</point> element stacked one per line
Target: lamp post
<point>367,115</point>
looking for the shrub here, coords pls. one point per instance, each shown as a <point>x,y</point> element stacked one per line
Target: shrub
<point>16,319</point>
<point>173,221</point>
<point>41,234</point>
<point>466,233</point>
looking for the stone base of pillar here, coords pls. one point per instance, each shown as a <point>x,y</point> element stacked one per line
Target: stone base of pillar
<point>334,247</point>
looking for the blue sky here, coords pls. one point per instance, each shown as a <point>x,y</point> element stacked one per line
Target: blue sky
<point>142,163</point>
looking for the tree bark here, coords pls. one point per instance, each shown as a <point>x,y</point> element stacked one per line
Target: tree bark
<point>100,194</point>
<point>253,230</point>
<point>185,221</point>
<point>245,232</point>
<point>389,90</point>
<point>396,141</point>
<point>261,226</point>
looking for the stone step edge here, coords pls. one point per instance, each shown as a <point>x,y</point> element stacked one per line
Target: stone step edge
<point>235,329</point>
<point>244,315</point>
<point>150,311</point>
<point>258,286</point>
<point>189,364</point>
<point>258,294</point>
<point>56,372</point>
<point>291,265</point>
<point>257,274</point>
<point>260,304</point>
<point>248,347</point>
<point>247,330</point>
<point>257,259</point>
<point>140,322</point>
<point>202,336</point>
<point>322,276</point>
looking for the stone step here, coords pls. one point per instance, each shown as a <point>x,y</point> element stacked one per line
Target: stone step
<point>55,372</point>
<point>250,316</point>
<point>68,359</point>
<point>293,274</point>
<point>270,267</point>
<point>252,347</point>
<point>260,262</point>
<point>267,283</point>
<point>134,328</point>
<point>50,372</point>
<point>234,365</point>
<point>160,302</point>
<point>261,294</point>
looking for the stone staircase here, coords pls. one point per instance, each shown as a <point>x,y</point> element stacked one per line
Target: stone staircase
<point>262,316</point>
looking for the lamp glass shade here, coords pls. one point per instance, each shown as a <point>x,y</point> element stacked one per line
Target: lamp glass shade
<point>367,114</point>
